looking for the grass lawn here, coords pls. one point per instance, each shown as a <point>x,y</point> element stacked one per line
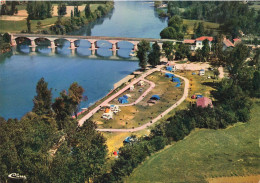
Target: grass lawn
<point>18,26</point>
<point>206,153</point>
<point>135,94</point>
<point>207,25</point>
<point>133,116</point>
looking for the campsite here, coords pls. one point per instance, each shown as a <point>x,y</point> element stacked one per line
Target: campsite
<point>141,113</point>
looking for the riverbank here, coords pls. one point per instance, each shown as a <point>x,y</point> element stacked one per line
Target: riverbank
<point>17,23</point>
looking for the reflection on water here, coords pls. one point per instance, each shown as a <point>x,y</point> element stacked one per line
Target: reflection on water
<point>95,70</point>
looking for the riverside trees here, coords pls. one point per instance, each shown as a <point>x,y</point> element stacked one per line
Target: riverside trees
<point>35,146</point>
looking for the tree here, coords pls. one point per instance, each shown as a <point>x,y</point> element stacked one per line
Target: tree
<point>62,9</point>
<point>182,51</point>
<point>236,61</point>
<point>199,55</point>
<point>42,101</point>
<point>154,55</point>
<point>87,11</point>
<point>205,50</point>
<point>28,23</point>
<point>168,49</point>
<point>39,25</point>
<point>256,84</point>
<point>71,14</point>
<point>200,30</point>
<point>142,53</point>
<point>76,96</point>
<point>216,73</point>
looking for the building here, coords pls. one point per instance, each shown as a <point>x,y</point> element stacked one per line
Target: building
<point>227,44</point>
<point>198,43</point>
<point>204,102</point>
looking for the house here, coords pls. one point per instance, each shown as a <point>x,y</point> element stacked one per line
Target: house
<point>204,102</point>
<point>227,44</point>
<point>202,72</point>
<point>198,43</point>
<point>191,43</point>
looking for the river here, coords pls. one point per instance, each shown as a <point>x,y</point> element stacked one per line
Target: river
<point>21,69</point>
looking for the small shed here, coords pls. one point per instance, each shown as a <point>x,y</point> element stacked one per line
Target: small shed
<point>202,72</point>
<point>176,80</point>
<point>155,97</point>
<point>131,88</point>
<point>204,102</point>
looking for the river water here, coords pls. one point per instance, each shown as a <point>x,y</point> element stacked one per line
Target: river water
<point>21,69</point>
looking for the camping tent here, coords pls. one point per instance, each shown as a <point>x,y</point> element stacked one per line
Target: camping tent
<point>169,68</point>
<point>169,75</point>
<point>125,96</point>
<point>122,100</point>
<point>155,97</point>
<point>176,80</point>
<point>178,85</point>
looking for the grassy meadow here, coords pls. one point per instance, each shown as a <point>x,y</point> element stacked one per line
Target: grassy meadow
<point>206,154</point>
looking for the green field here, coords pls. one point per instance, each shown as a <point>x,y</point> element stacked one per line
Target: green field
<point>206,153</point>
<point>208,26</point>
<point>18,26</point>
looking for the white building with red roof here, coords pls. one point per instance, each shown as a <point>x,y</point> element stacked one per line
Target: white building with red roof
<point>198,43</point>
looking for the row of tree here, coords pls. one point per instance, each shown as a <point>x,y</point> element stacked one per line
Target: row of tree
<point>234,17</point>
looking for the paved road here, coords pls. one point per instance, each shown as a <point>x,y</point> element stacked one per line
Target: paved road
<point>184,96</point>
<point>106,102</point>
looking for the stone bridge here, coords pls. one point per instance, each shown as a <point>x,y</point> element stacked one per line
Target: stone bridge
<point>92,39</point>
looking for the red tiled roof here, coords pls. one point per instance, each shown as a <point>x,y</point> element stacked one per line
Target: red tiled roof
<point>204,102</point>
<point>189,41</point>
<point>228,43</point>
<point>204,37</point>
<point>236,39</point>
